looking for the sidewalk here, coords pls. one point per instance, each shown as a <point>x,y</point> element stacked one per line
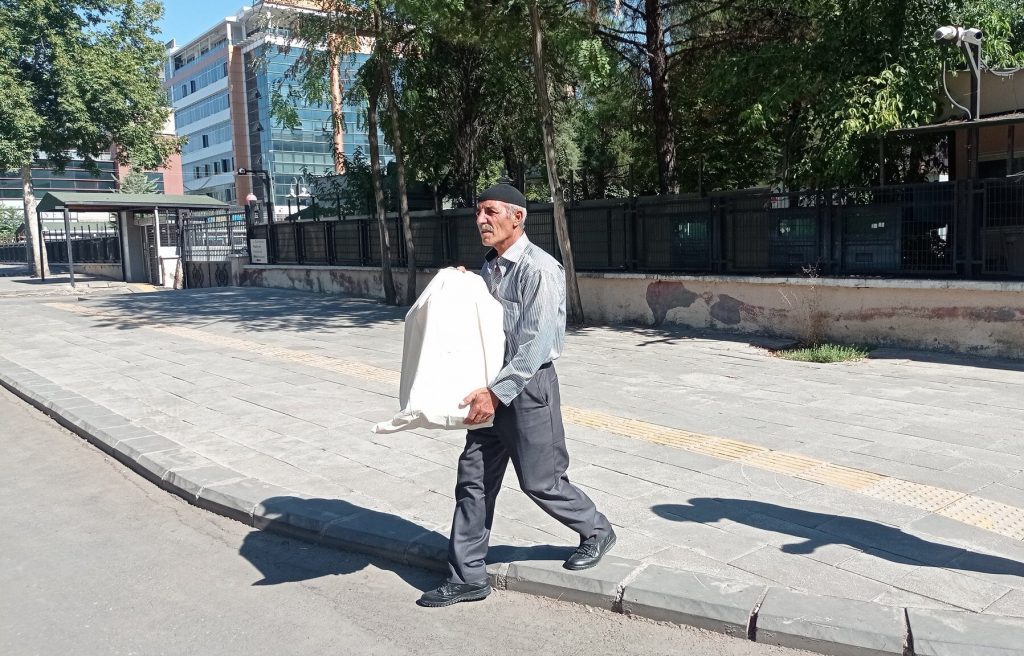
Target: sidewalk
<point>821,499</point>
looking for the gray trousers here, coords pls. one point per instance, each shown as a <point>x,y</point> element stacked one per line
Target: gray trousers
<point>528,432</point>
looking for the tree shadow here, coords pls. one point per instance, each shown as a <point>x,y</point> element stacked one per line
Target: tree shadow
<point>674,334</point>
<point>366,537</point>
<point>254,309</point>
<point>821,529</point>
<point>948,358</point>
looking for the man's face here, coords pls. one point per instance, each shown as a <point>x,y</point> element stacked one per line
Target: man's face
<point>498,229</point>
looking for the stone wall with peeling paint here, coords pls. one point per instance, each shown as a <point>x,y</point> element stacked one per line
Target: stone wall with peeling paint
<point>984,318</point>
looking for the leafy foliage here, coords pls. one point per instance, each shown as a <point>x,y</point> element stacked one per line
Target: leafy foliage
<point>136,182</point>
<point>825,353</point>
<point>10,221</point>
<point>81,77</point>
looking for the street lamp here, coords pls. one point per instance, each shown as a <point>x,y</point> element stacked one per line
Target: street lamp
<point>265,176</point>
<point>298,193</point>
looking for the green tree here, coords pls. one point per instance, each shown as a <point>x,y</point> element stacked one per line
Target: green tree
<point>79,78</point>
<point>10,220</point>
<point>833,77</point>
<point>137,182</point>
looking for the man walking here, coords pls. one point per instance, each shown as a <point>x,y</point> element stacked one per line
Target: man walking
<point>523,400</point>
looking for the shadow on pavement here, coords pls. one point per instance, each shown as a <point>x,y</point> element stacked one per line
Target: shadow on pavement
<point>821,529</point>
<point>939,357</point>
<point>293,560</point>
<point>257,310</point>
<point>651,335</point>
<point>290,561</point>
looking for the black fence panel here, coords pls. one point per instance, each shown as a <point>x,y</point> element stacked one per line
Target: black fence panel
<point>13,252</point>
<point>673,233</point>
<point>1002,228</point>
<point>967,229</point>
<point>87,246</point>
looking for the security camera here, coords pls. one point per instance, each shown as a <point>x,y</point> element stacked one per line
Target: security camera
<point>242,171</point>
<point>947,34</point>
<point>950,35</point>
<point>971,35</point>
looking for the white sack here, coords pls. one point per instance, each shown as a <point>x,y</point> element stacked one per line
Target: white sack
<point>454,344</point>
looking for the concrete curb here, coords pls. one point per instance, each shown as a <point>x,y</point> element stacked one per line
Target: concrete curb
<point>772,615</point>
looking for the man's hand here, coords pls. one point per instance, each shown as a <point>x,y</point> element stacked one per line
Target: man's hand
<point>482,403</point>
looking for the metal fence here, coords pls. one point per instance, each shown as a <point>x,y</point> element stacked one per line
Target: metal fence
<point>207,239</point>
<point>970,229</point>
<point>13,252</point>
<point>89,245</point>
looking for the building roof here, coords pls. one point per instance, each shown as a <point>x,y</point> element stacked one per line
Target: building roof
<point>1009,118</point>
<point>84,201</point>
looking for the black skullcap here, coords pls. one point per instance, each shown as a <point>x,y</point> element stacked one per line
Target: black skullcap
<point>504,193</point>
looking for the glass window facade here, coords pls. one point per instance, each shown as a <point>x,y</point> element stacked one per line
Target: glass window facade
<point>207,137</point>
<point>204,168</point>
<point>288,154</point>
<point>74,178</point>
<point>204,78</point>
<point>202,109</point>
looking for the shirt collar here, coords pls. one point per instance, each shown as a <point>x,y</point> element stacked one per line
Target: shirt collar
<point>514,252</point>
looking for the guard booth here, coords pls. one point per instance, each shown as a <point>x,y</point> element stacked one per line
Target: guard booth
<point>148,227</point>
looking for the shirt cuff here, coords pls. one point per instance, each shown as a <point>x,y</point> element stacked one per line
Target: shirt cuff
<point>507,390</point>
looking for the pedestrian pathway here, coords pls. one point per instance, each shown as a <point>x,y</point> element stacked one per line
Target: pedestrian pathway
<point>896,481</point>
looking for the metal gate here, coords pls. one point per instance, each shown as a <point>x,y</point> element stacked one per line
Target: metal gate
<point>207,243</point>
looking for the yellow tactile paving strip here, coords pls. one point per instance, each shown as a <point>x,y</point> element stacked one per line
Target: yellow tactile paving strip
<point>993,516</point>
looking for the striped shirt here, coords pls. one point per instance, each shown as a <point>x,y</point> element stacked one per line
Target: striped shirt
<point>530,284</point>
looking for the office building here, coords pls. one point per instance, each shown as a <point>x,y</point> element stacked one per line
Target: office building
<point>221,84</point>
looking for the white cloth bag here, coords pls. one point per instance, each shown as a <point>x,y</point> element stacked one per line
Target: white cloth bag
<point>454,344</point>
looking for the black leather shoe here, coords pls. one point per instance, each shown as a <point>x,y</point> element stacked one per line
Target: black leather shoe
<point>590,552</point>
<point>452,593</point>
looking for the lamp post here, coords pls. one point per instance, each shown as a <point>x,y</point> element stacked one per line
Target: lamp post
<point>969,40</point>
<point>298,193</point>
<point>265,176</point>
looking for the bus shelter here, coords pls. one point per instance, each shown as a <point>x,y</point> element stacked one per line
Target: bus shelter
<point>147,226</point>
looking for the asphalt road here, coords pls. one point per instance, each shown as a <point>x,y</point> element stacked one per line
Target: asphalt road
<point>95,560</point>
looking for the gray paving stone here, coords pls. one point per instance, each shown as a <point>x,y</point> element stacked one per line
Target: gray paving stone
<point>597,586</point>
<point>903,599</point>
<point>829,625</point>
<point>188,482</point>
<point>237,499</point>
<point>129,450</point>
<point>708,602</point>
<point>1011,604</point>
<point>950,633</point>
<point>300,515</point>
<point>953,587</point>
<point>374,532</point>
<point>808,575</point>
<point>159,463</point>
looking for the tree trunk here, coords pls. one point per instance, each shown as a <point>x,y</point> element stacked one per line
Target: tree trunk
<point>664,137</point>
<point>337,107</point>
<point>574,303</point>
<point>403,198</point>
<point>372,103</point>
<point>37,261</point>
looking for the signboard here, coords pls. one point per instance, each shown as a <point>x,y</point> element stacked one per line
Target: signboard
<point>258,251</point>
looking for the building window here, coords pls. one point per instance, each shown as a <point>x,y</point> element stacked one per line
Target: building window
<point>184,91</point>
<point>192,86</point>
<point>216,168</point>
<point>206,170</point>
<point>206,141</point>
<point>197,172</point>
<point>226,164</point>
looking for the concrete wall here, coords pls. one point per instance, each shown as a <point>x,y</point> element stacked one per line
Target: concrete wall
<point>111,271</point>
<point>984,318</point>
